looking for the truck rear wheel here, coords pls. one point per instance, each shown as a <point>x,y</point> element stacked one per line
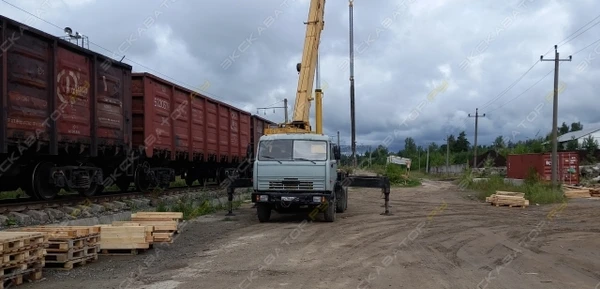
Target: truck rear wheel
<point>330,211</point>
<point>264,212</point>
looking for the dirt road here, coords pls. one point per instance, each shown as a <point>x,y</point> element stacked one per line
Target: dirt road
<point>437,238</point>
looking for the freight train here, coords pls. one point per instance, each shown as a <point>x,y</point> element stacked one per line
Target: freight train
<point>78,120</point>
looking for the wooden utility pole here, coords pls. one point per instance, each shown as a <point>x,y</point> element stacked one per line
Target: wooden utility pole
<point>447,154</point>
<point>555,115</point>
<point>427,162</point>
<point>286,109</point>
<point>476,116</point>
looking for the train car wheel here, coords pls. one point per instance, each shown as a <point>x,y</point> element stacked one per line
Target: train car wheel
<point>140,178</point>
<point>40,182</point>
<point>93,189</point>
<point>190,177</point>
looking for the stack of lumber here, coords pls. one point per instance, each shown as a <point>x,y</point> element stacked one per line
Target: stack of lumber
<point>575,192</point>
<point>165,224</point>
<point>22,257</point>
<point>124,239</point>
<point>69,245</point>
<point>511,199</point>
<point>595,192</point>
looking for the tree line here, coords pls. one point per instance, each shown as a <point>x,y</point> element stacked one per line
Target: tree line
<point>461,150</point>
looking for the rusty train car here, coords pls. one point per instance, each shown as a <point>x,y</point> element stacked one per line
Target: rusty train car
<point>77,120</point>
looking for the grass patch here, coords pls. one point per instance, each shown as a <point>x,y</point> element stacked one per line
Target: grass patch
<point>400,177</point>
<point>536,191</point>
<point>192,208</point>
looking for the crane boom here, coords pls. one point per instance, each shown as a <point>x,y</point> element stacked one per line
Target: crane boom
<point>306,70</point>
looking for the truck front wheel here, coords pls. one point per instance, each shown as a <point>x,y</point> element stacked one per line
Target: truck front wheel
<point>330,211</point>
<point>264,212</point>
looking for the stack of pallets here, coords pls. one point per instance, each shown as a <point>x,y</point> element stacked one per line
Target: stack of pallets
<point>511,199</point>
<point>69,245</point>
<point>22,257</point>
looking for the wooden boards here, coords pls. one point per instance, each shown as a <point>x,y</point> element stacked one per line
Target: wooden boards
<point>117,238</point>
<point>165,224</point>
<point>511,199</point>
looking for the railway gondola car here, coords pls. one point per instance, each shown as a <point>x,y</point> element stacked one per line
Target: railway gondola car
<point>64,113</point>
<point>77,120</point>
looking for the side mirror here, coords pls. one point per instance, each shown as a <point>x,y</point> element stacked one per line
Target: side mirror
<point>337,153</point>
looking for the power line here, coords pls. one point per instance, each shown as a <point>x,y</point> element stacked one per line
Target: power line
<point>582,49</point>
<point>129,59</point>
<point>526,90</point>
<point>561,42</point>
<point>487,104</point>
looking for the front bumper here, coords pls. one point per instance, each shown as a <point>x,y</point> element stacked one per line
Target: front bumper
<point>300,198</point>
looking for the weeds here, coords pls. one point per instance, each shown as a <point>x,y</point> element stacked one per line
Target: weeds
<point>400,177</point>
<point>195,208</point>
<point>536,191</point>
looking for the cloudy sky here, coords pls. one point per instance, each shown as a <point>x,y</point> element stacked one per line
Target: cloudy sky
<point>420,66</point>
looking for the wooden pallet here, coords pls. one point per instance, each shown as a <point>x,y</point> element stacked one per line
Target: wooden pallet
<point>17,278</point>
<point>23,256</point>
<point>70,264</point>
<point>116,252</point>
<point>65,232</point>
<point>11,241</point>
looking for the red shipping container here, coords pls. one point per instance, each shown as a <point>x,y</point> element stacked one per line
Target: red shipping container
<point>44,78</point>
<point>517,166</point>
<point>162,123</point>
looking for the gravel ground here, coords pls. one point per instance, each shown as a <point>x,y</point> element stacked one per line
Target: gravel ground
<point>438,237</point>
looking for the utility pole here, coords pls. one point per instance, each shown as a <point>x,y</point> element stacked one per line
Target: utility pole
<point>419,150</point>
<point>427,162</point>
<point>352,119</point>
<point>555,115</point>
<point>338,134</point>
<point>476,116</point>
<point>286,109</point>
<point>448,155</point>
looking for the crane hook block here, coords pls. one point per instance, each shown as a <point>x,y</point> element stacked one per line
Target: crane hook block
<point>298,66</point>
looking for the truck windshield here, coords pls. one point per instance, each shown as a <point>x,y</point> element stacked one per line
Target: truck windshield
<point>287,149</point>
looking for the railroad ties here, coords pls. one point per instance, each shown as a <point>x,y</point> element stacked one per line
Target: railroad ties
<point>70,245</point>
<point>22,257</point>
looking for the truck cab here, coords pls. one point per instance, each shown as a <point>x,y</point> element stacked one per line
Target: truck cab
<point>297,172</point>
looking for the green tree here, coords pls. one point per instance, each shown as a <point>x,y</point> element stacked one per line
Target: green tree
<point>576,126</point>
<point>564,128</point>
<point>499,142</point>
<point>410,148</point>
<point>462,143</point>
<point>573,144</point>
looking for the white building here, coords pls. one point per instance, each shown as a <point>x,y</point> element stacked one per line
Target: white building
<point>580,136</point>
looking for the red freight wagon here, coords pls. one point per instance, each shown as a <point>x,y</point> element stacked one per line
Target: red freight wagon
<point>162,123</point>
<point>59,99</point>
<point>518,166</point>
<point>258,127</point>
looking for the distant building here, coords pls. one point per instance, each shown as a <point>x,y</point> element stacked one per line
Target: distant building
<point>580,136</point>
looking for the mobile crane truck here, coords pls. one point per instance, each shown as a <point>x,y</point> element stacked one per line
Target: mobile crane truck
<point>296,168</point>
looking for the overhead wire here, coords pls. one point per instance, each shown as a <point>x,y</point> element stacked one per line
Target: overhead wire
<point>566,39</point>
<point>191,87</point>
<point>487,104</point>
<point>526,90</point>
<point>563,42</point>
<point>588,46</point>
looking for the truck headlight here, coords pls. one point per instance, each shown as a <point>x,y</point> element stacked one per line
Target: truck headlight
<point>264,198</point>
<point>316,199</point>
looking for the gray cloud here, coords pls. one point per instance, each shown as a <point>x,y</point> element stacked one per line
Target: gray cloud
<point>404,50</point>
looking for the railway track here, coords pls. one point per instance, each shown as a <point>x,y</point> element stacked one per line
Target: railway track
<point>25,204</point>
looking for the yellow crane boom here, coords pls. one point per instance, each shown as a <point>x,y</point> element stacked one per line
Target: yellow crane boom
<point>306,70</point>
